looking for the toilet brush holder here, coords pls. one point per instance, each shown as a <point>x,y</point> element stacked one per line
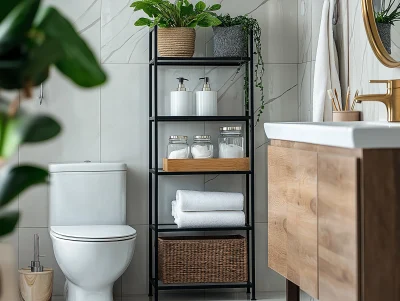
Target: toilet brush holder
<point>36,283</point>
<point>36,286</point>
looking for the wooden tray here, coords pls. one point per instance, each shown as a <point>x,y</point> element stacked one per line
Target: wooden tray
<point>190,165</point>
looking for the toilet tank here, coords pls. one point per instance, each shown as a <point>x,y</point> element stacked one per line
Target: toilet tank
<point>87,194</point>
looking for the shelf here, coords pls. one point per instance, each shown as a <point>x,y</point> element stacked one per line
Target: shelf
<point>204,165</point>
<point>182,173</point>
<point>174,228</point>
<point>200,118</point>
<point>162,286</point>
<point>200,61</point>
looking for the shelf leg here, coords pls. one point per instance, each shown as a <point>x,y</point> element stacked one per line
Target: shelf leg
<point>155,298</point>
<point>292,291</point>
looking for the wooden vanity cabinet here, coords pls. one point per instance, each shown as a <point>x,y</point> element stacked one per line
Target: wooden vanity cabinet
<point>334,220</point>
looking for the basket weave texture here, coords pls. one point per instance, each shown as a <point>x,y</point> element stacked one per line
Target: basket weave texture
<point>176,41</point>
<point>203,259</point>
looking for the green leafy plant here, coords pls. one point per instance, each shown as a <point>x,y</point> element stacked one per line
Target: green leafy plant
<point>32,39</point>
<point>387,14</point>
<point>249,24</point>
<point>182,13</point>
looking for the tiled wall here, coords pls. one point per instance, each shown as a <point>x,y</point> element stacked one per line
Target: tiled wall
<point>110,123</point>
<point>309,19</point>
<point>364,66</point>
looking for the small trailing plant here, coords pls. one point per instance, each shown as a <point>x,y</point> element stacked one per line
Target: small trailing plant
<point>250,24</point>
<point>182,13</point>
<point>33,39</point>
<point>388,14</point>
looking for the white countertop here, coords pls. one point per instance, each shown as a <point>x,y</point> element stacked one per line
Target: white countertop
<point>339,134</point>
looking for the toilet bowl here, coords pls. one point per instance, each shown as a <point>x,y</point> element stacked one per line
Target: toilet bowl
<point>92,258</point>
<point>87,223</point>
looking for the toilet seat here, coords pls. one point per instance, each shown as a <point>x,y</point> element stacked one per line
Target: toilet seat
<point>95,233</point>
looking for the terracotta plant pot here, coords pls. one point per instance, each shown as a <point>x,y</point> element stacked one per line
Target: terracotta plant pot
<point>176,41</point>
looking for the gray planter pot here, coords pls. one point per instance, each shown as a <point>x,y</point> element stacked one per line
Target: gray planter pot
<point>230,41</point>
<point>384,31</point>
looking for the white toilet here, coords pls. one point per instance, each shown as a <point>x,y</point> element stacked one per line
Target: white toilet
<point>92,243</point>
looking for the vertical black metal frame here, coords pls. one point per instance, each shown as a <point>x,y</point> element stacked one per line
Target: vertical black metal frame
<point>154,174</point>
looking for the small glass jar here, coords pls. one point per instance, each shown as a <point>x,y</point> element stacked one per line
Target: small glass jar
<point>202,147</point>
<point>231,142</point>
<point>178,147</point>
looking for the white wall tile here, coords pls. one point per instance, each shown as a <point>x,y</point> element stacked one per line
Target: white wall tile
<point>46,248</point>
<point>304,29</point>
<point>305,93</point>
<point>315,25</point>
<point>124,131</point>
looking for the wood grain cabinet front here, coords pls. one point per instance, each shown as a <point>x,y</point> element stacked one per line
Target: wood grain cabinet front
<point>292,216</point>
<point>338,228</point>
<point>334,220</point>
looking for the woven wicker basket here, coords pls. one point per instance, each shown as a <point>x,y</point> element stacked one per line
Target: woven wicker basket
<point>203,259</point>
<point>176,41</point>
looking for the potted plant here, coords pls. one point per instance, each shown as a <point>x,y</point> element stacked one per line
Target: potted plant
<point>176,22</point>
<point>231,39</point>
<point>385,17</point>
<point>31,41</point>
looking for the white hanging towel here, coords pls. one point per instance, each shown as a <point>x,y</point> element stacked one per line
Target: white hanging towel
<point>326,74</point>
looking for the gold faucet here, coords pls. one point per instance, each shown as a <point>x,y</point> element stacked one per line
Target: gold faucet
<point>391,99</point>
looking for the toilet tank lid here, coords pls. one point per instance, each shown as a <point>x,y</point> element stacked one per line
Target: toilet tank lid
<point>87,167</point>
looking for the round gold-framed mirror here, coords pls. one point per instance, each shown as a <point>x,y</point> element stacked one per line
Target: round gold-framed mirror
<point>382,24</point>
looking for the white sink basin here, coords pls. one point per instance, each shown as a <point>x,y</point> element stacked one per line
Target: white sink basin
<point>340,134</point>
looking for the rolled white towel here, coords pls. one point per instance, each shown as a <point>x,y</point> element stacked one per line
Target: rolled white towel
<point>189,200</point>
<point>209,219</point>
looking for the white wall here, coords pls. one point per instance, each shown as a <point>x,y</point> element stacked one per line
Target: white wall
<point>110,123</point>
<point>364,66</point>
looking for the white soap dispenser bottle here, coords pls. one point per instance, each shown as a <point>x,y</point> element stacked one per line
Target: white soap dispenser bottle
<point>181,100</point>
<point>206,100</point>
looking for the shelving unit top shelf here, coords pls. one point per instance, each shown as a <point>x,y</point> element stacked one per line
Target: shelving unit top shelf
<point>201,61</point>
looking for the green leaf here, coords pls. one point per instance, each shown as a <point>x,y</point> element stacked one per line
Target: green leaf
<point>143,22</point>
<point>17,23</point>
<point>15,180</point>
<point>25,128</point>
<point>192,24</point>
<point>200,6</point>
<point>7,6</point>
<point>208,20</point>
<point>188,10</point>
<point>78,63</point>
<point>215,7</point>
<point>40,59</point>
<point>8,222</point>
<point>149,9</point>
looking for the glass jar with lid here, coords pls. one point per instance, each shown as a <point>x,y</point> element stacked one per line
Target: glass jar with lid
<point>178,147</point>
<point>202,147</point>
<point>231,142</point>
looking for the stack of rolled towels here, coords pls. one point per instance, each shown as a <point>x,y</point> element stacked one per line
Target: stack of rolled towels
<point>200,209</point>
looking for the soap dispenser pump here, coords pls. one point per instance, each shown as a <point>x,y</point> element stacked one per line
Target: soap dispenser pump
<point>206,100</point>
<point>181,100</point>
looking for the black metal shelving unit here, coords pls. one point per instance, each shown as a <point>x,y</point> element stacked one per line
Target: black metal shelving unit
<point>155,228</point>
